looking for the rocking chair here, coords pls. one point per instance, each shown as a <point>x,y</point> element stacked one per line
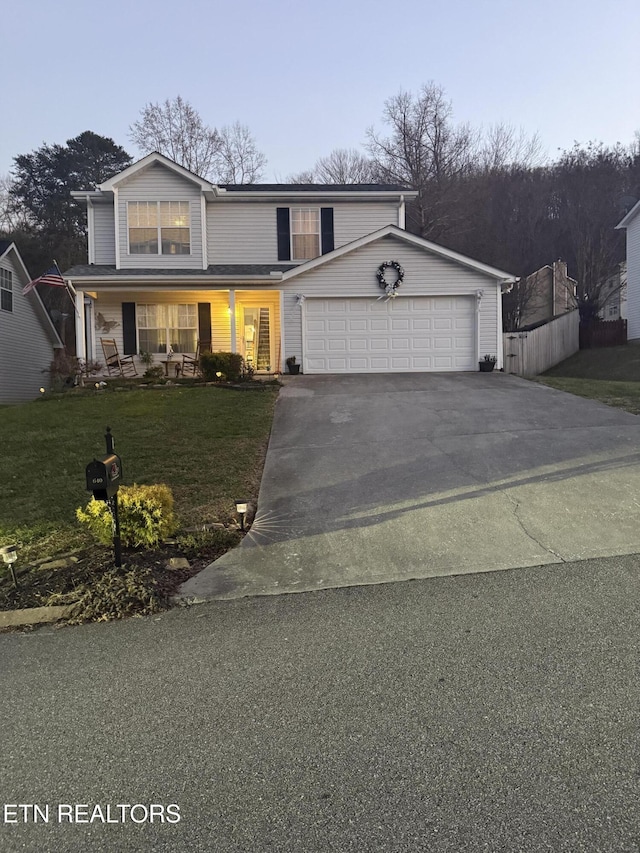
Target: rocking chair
<point>191,363</point>
<point>116,364</point>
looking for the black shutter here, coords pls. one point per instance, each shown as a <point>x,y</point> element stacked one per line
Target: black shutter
<point>326,229</point>
<point>284,234</point>
<point>129,328</point>
<point>204,326</point>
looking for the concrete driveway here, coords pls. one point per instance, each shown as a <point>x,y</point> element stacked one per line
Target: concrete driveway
<point>379,478</point>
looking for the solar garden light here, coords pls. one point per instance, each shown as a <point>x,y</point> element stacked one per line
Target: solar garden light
<point>241,509</point>
<point>10,555</point>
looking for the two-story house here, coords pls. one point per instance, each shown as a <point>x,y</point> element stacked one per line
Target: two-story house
<point>324,273</point>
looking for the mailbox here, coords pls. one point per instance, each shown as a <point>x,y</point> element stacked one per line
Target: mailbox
<point>104,476</point>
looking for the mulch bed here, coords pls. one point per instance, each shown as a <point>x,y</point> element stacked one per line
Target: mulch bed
<point>36,584</point>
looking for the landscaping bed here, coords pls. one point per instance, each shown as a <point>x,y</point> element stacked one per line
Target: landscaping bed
<point>88,580</point>
<point>207,445</point>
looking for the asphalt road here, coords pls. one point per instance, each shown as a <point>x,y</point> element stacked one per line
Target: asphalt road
<point>487,712</point>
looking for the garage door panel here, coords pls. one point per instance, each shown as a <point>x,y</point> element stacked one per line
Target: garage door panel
<point>412,334</point>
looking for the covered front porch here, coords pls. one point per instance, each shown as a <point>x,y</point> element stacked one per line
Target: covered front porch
<point>169,323</point>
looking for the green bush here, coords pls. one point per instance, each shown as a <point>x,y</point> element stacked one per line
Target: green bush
<point>229,364</point>
<point>145,513</point>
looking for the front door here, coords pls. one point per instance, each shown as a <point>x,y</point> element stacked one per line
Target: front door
<point>257,337</point>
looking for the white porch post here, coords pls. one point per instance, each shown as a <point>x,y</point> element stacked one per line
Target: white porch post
<point>81,339</point>
<point>232,320</point>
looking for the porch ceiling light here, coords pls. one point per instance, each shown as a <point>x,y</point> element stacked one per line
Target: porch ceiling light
<point>241,509</point>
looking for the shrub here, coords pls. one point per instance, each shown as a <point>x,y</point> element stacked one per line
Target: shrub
<point>229,364</point>
<point>156,373</point>
<point>145,513</point>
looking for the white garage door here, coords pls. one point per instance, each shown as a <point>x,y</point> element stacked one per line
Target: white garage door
<point>402,334</point>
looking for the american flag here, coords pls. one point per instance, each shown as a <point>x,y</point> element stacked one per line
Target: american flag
<point>52,277</point>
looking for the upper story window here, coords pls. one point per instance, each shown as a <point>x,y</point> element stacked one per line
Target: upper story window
<point>305,233</point>
<point>6,290</point>
<point>159,228</point>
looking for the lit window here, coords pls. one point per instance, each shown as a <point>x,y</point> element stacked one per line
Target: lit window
<point>164,326</point>
<point>6,290</point>
<point>305,233</point>
<point>159,228</point>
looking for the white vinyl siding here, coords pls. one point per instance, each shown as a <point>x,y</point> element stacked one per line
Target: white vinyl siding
<point>354,275</point>
<point>159,184</point>
<point>26,349</point>
<point>246,233</point>
<point>633,278</point>
<point>104,237</point>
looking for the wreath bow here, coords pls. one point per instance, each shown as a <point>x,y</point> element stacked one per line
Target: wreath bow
<point>390,287</point>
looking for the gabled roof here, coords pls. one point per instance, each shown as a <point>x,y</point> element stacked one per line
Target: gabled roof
<point>413,240</point>
<point>626,220</point>
<point>33,297</point>
<point>145,163</point>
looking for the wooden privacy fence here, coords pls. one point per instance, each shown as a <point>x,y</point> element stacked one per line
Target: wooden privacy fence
<point>603,333</point>
<point>533,352</point>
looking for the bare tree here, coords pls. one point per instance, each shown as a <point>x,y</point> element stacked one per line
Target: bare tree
<point>341,166</point>
<point>176,130</point>
<point>238,160</point>
<point>427,152</point>
<point>505,147</point>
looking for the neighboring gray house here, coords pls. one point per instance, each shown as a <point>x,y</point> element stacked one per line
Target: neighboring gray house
<point>277,270</point>
<point>27,336</point>
<point>632,224</point>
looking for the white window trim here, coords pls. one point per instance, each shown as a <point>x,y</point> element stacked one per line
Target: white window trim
<point>159,253</point>
<point>5,272</point>
<point>303,233</point>
<point>166,328</point>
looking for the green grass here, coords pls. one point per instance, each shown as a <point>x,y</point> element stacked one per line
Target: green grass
<point>207,444</point>
<point>608,374</point>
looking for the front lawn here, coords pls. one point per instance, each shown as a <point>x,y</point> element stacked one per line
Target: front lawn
<point>608,374</point>
<point>207,444</point>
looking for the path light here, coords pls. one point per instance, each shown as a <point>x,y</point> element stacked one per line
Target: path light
<point>241,509</point>
<point>10,555</point>
<point>42,391</point>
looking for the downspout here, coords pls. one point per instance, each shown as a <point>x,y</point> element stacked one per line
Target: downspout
<point>479,295</point>
<point>401,214</point>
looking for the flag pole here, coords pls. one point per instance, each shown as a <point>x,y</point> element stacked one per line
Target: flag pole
<point>69,288</point>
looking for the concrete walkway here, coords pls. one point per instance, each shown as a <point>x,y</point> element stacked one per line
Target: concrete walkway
<point>379,478</point>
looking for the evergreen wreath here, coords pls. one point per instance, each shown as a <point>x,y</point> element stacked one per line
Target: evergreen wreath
<point>390,288</point>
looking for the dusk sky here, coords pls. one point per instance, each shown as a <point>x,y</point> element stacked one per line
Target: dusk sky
<point>310,77</point>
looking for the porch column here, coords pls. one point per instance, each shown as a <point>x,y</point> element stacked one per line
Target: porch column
<point>81,339</point>
<point>232,320</point>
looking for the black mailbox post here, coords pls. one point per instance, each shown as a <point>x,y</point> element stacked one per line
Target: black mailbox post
<point>103,479</point>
